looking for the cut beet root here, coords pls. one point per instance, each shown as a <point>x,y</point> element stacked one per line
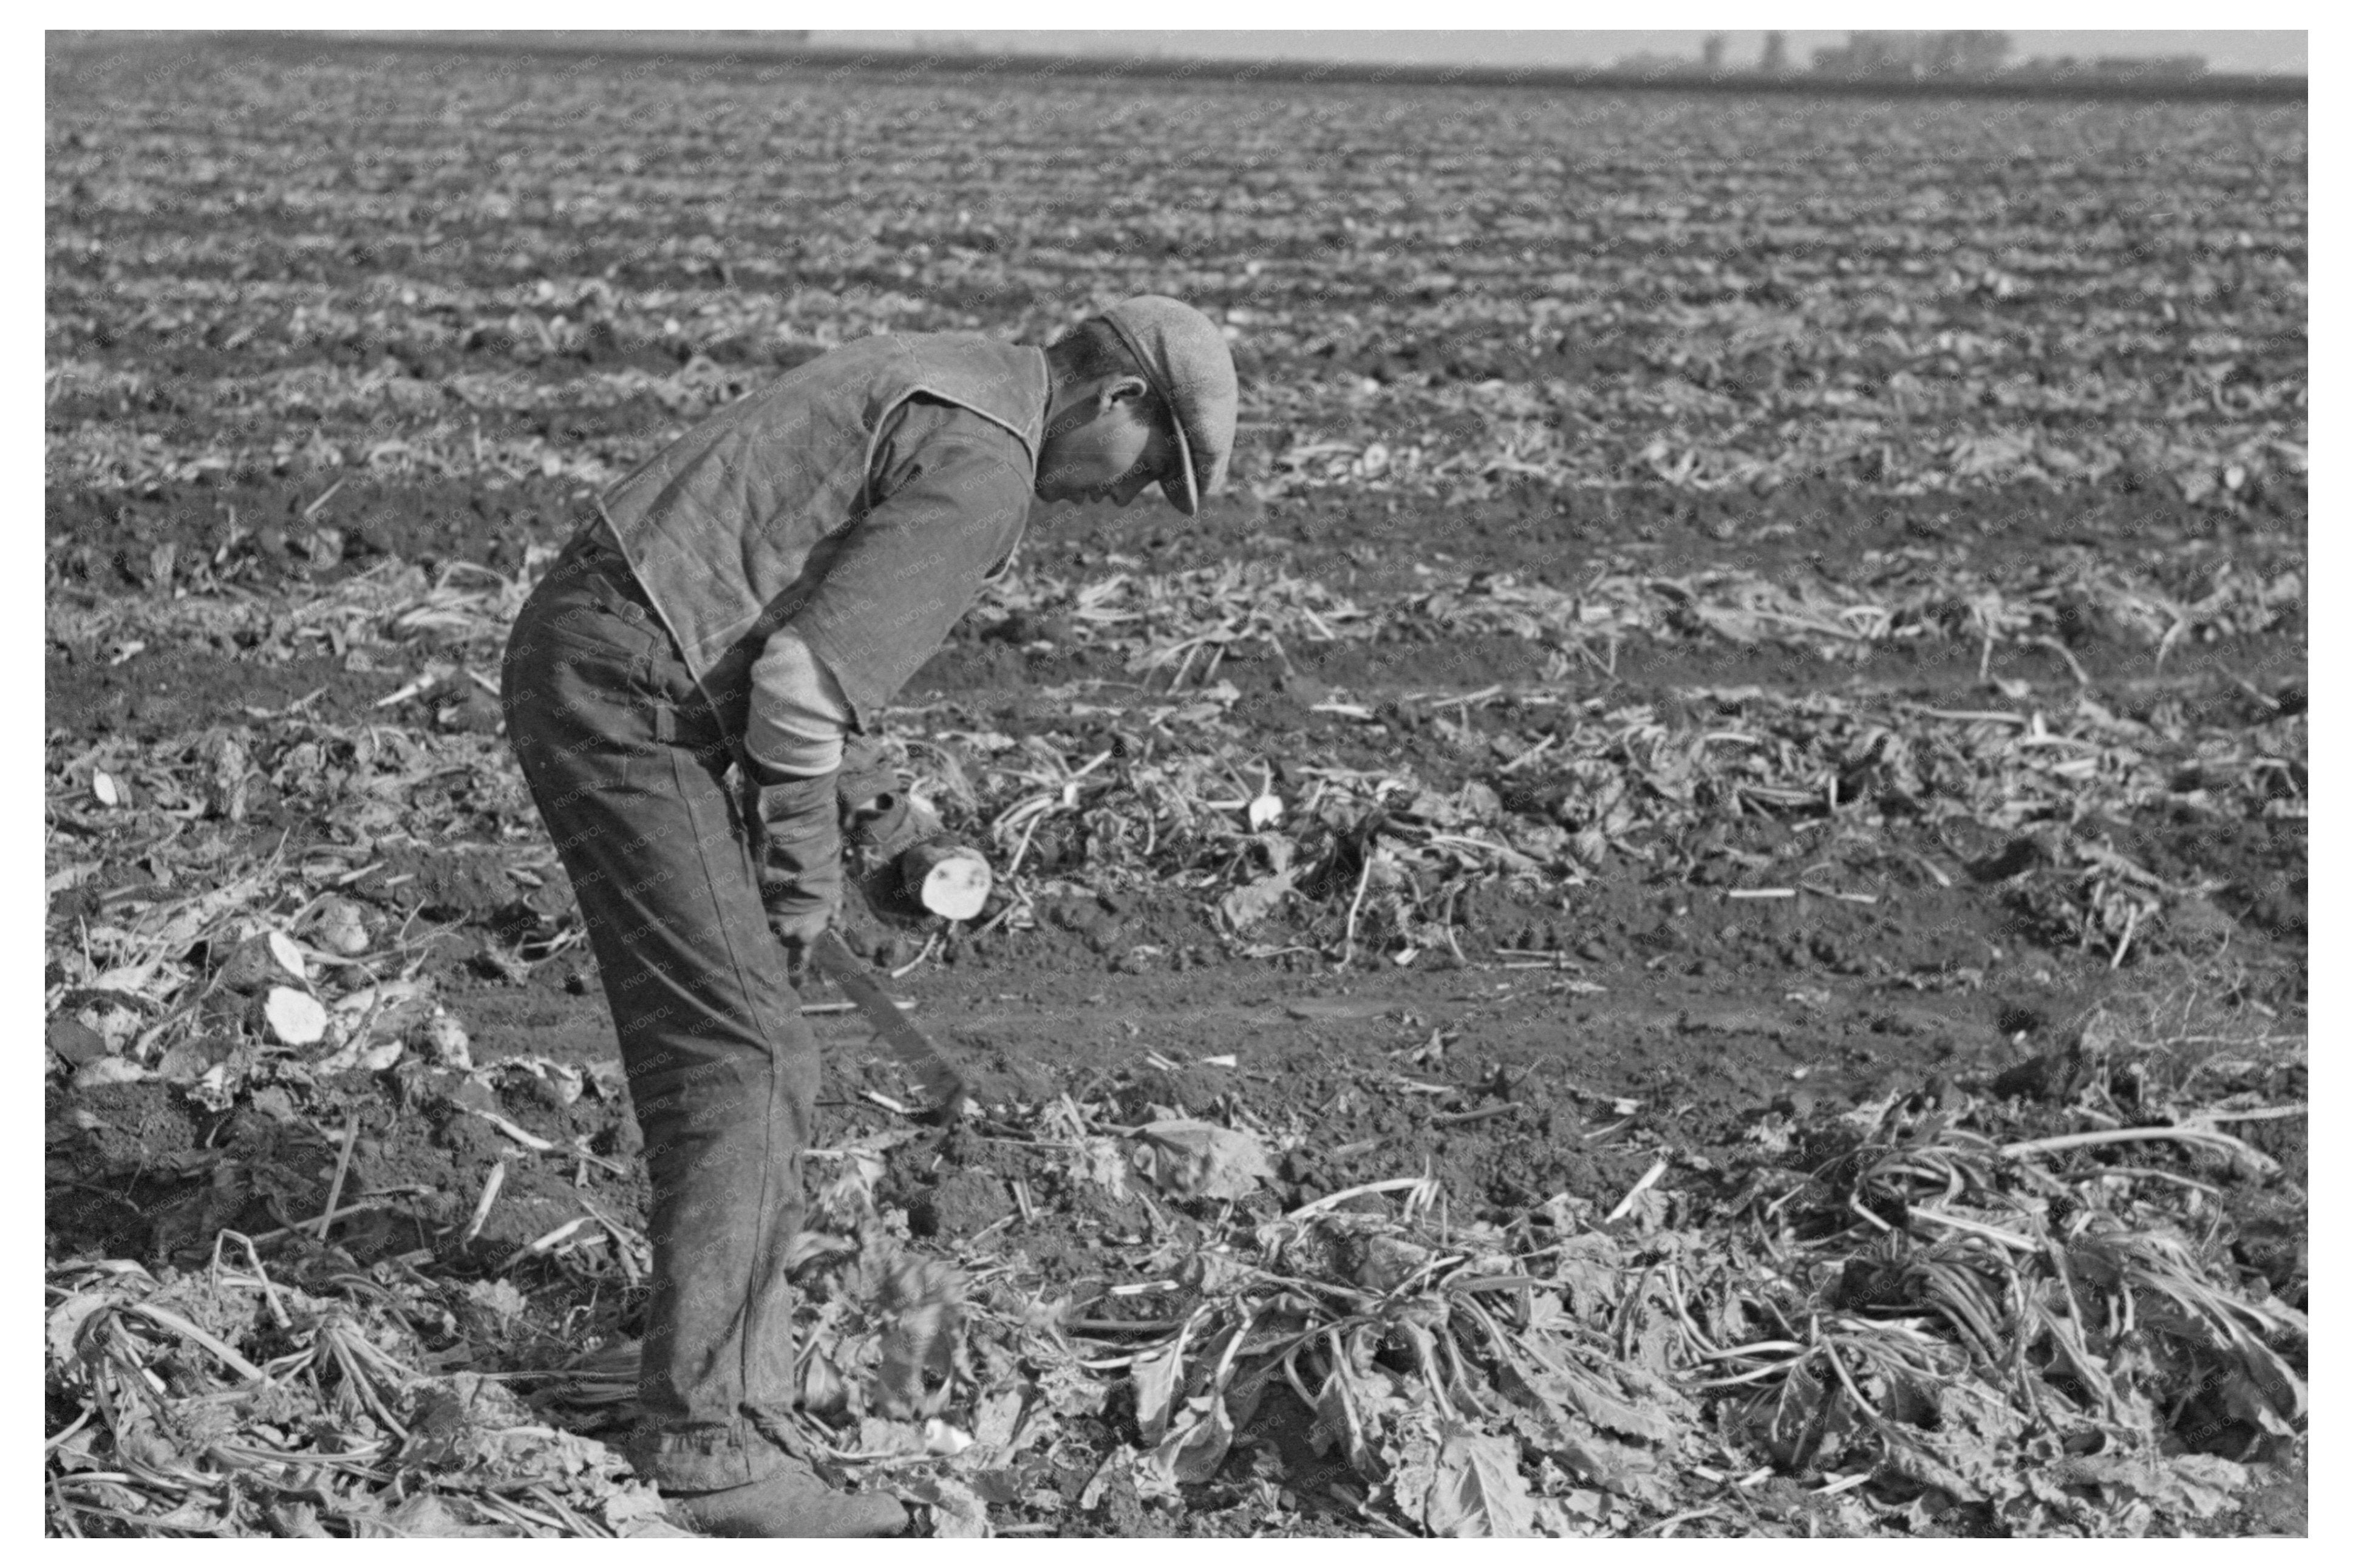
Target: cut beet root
<point>949,880</point>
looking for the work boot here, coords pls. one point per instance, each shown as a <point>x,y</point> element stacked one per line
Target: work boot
<point>791,1504</point>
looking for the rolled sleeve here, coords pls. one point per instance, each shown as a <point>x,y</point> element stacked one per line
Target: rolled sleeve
<point>952,494</point>
<point>798,716</point>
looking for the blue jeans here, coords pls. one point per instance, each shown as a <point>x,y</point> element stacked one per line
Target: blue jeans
<point>627,764</point>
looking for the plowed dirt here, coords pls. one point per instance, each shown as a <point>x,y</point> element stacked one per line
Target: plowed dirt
<point>1784,967</point>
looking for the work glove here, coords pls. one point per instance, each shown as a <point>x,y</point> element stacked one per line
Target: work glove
<point>880,822</point>
<point>884,827</point>
<point>799,862</point>
<point>865,779</point>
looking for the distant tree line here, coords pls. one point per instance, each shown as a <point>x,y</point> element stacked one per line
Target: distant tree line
<point>1919,56</point>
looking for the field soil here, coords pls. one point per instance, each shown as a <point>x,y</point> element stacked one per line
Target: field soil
<point>1572,1035</point>
<point>1518,1035</point>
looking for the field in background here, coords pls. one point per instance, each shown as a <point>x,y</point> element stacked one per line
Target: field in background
<point>1754,660</point>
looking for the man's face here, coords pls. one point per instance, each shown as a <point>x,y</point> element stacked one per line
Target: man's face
<point>1111,445</point>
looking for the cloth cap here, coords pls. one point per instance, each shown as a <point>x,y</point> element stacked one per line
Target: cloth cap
<point>1184,356</point>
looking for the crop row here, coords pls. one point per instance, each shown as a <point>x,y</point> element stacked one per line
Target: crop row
<point>1434,292</point>
<point>1179,787</point>
<point>1174,629</point>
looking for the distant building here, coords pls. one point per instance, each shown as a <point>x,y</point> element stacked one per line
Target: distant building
<point>1882,55</point>
<point>1711,53</point>
<point>1776,59</point>
<point>1969,52</point>
<point>1866,53</point>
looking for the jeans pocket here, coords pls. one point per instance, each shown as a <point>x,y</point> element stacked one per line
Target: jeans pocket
<point>582,612</point>
<point>566,658</point>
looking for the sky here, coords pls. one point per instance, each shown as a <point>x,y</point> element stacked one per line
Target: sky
<point>2266,52</point>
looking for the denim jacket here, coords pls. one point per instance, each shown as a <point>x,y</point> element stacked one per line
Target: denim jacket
<point>734,529</point>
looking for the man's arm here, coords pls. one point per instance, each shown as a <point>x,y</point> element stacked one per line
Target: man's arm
<point>952,494</point>
<point>792,750</point>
